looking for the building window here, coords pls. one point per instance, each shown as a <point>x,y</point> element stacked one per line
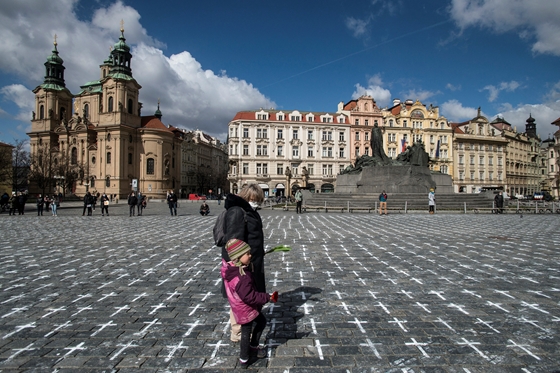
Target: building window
<point>391,123</point>
<point>262,133</point>
<point>110,104</point>
<point>392,137</point>
<point>245,133</point>
<point>341,136</point>
<point>366,152</point>
<point>366,122</point>
<point>108,157</point>
<point>245,149</point>
<point>357,136</point>
<point>392,152</point>
<point>42,112</point>
<point>310,118</point>
<point>280,134</point>
<point>490,175</point>
<point>295,151</point>
<point>481,174</point>
<point>280,169</point>
<point>295,118</point>
<point>262,149</point>
<point>357,152</point>
<point>129,106</point>
<point>443,169</point>
<point>295,169</point>
<point>309,134</point>
<point>86,111</point>
<point>294,134</point>
<point>92,182</point>
<point>259,169</point>
<point>490,161</point>
<point>366,138</point>
<point>357,122</point>
<point>327,170</point>
<point>461,159</point>
<point>74,156</point>
<point>150,166</point>
<point>245,168</point>
<point>280,151</point>
<point>93,159</point>
<point>481,160</point>
<point>129,158</point>
<point>405,124</point>
<point>310,169</point>
<point>310,152</point>
<point>472,160</point>
<point>108,182</point>
<point>472,175</point>
<point>327,152</point>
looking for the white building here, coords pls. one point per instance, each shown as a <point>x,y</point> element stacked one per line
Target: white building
<point>276,149</point>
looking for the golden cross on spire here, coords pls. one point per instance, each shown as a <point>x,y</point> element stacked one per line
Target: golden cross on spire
<point>55,43</point>
<point>122,25</point>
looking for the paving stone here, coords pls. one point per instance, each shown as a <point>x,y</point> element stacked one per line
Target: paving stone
<point>409,292</point>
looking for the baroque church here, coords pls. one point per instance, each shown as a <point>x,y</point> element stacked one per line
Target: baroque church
<point>100,135</point>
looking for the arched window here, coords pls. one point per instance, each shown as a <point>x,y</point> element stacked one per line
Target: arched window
<point>62,113</point>
<point>110,104</point>
<point>92,182</point>
<point>129,106</point>
<point>74,156</point>
<point>42,112</point>
<point>86,111</point>
<point>107,181</point>
<point>150,166</point>
<point>108,157</point>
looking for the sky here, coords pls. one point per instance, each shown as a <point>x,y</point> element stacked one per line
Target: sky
<point>206,61</point>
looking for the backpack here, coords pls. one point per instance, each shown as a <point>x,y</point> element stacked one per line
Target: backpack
<point>219,230</point>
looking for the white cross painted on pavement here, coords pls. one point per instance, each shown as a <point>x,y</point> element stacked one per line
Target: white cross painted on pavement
<point>272,307</point>
<point>75,348</point>
<point>423,306</point>
<point>306,308</point>
<point>59,326</point>
<point>446,324</point>
<point>16,310</point>
<point>319,348</point>
<point>372,293</point>
<point>157,307</point>
<point>103,326</point>
<point>20,328</point>
<point>513,344</point>
<point>139,296</point>
<point>379,304</point>
<point>371,345</point>
<point>407,293</point>
<point>359,324</point>
<point>473,346</point>
<point>538,293</point>
<point>487,324</point>
<point>53,310</point>
<point>438,293</point>
<point>497,305</point>
<point>174,349</point>
<point>534,323</point>
<point>417,280</point>
<point>135,281</point>
<point>301,279</point>
<point>80,297</point>
<point>504,293</point>
<point>194,309</point>
<point>216,348</point>
<point>119,309</point>
<point>459,307</point>
<point>345,306</point>
<point>82,309</point>
<point>399,323</point>
<point>418,345</point>
<point>20,350</point>
<point>313,327</point>
<point>206,296</point>
<point>534,306</point>
<point>192,326</point>
<point>105,296</point>
<point>148,326</point>
<point>105,284</point>
<point>275,282</point>
<point>124,347</point>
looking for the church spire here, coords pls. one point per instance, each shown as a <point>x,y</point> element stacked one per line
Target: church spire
<point>121,57</point>
<point>531,127</point>
<point>158,113</point>
<point>54,70</point>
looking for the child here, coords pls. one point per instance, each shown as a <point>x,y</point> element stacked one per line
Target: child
<point>245,301</point>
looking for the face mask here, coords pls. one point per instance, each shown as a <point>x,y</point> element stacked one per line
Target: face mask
<point>254,205</point>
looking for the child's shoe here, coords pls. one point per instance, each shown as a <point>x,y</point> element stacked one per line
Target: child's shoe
<point>258,352</point>
<point>243,365</point>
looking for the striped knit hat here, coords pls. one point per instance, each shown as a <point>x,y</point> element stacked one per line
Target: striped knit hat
<point>237,248</point>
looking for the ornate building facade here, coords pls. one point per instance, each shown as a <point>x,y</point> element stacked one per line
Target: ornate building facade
<point>101,134</point>
<point>285,150</point>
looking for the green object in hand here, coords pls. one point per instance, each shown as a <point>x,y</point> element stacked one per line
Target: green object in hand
<point>279,248</point>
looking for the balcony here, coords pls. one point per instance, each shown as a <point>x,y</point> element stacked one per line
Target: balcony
<point>263,177</point>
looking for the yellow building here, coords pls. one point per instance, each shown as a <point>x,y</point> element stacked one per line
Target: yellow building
<point>97,139</point>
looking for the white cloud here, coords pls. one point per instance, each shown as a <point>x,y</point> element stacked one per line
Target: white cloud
<point>452,87</point>
<point>544,115</point>
<point>190,96</point>
<point>382,96</point>
<point>420,95</point>
<point>22,97</point>
<point>454,111</point>
<point>358,27</point>
<point>537,21</point>
<point>503,86</point>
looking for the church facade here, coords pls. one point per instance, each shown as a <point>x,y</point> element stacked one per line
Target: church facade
<point>97,139</point>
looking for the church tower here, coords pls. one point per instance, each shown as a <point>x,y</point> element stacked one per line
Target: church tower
<point>53,103</point>
<point>531,127</point>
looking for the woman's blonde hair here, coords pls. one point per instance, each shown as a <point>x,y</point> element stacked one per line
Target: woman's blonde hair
<point>252,192</point>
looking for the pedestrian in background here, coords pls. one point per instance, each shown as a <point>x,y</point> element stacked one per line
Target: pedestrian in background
<point>499,202</point>
<point>140,205</point>
<point>13,204</point>
<point>172,202</point>
<point>132,202</point>
<point>21,201</point>
<point>40,203</point>
<point>104,204</point>
<point>55,205</point>
<point>299,200</point>
<point>383,203</point>
<point>432,201</point>
<point>88,204</point>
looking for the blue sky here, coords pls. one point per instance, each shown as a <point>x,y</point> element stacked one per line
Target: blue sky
<point>205,61</point>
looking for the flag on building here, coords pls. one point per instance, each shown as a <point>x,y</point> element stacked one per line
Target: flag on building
<point>437,149</point>
<point>403,145</point>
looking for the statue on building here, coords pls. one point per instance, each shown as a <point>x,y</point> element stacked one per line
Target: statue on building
<point>304,176</point>
<point>33,115</point>
<point>51,113</point>
<point>288,172</point>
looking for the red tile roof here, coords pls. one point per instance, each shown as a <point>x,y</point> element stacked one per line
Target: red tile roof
<point>152,122</point>
<point>252,115</point>
<point>556,122</point>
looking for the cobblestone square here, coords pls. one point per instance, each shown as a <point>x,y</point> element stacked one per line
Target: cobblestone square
<point>358,293</point>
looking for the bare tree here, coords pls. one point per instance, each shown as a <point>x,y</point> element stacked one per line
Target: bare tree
<point>17,174</point>
<point>43,167</point>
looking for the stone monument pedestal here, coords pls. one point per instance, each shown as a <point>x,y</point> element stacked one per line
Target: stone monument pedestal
<point>392,179</point>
